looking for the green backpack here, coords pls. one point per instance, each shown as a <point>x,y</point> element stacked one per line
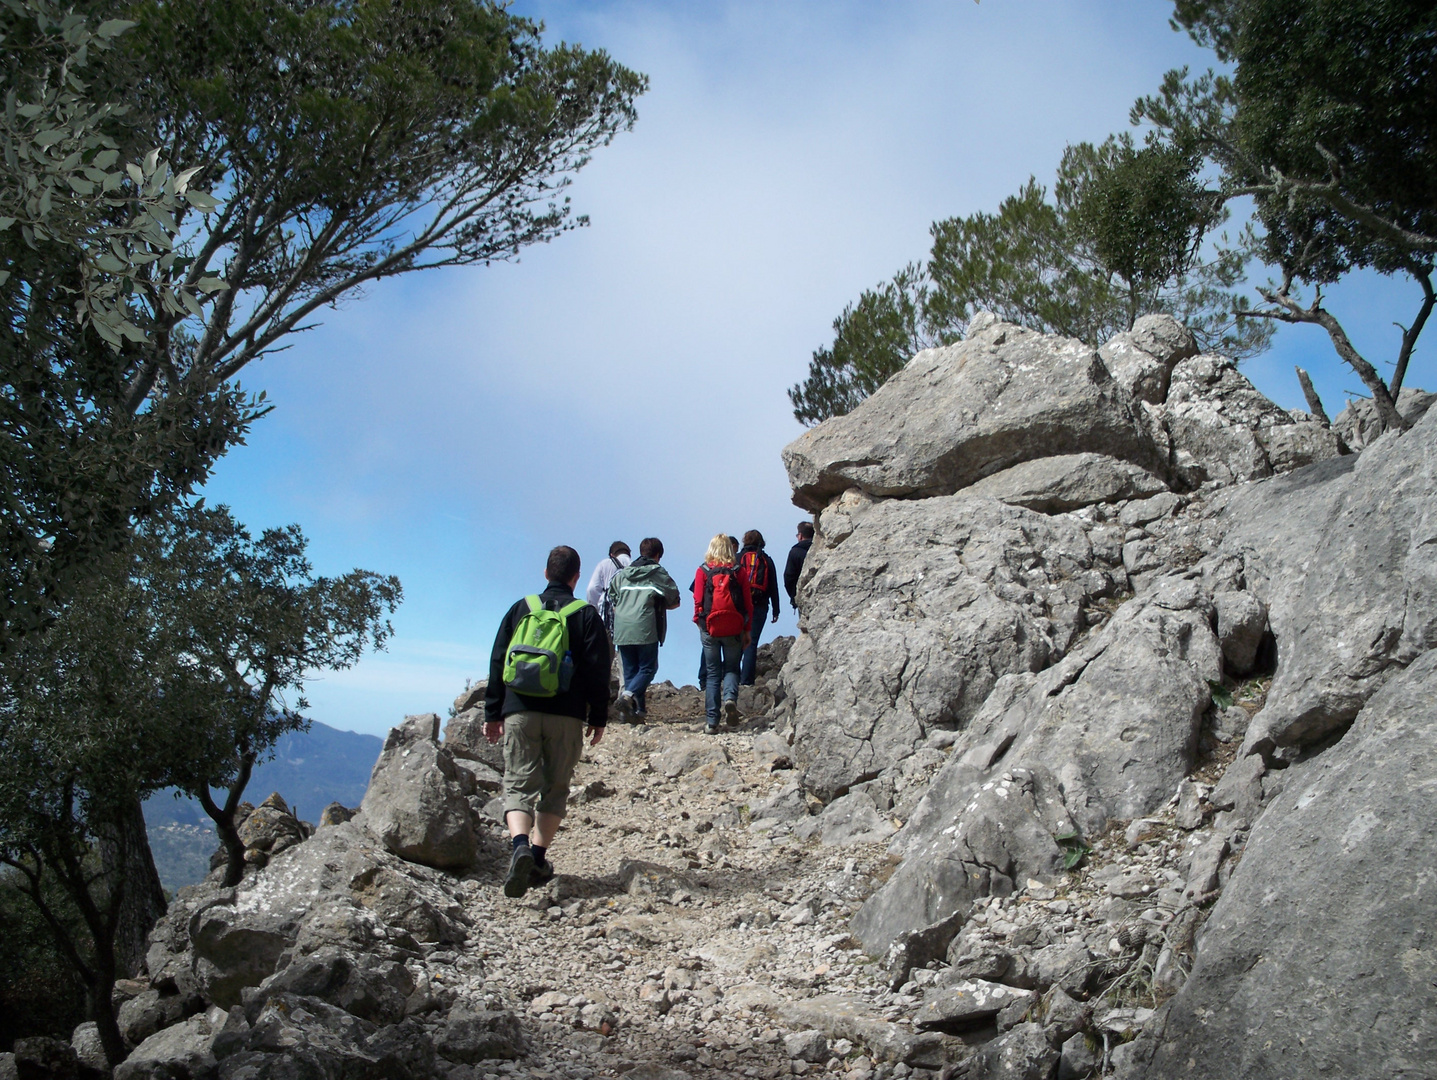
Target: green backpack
<point>538,662</point>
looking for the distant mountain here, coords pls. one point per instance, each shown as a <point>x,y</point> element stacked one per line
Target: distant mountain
<point>310,770</point>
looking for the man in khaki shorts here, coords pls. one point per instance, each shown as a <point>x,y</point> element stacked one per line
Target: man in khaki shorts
<point>544,736</point>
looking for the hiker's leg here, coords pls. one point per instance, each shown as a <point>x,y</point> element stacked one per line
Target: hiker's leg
<point>523,771</point>
<point>629,658</point>
<point>713,679</point>
<point>748,666</point>
<point>732,650</point>
<point>645,668</point>
<point>563,746</point>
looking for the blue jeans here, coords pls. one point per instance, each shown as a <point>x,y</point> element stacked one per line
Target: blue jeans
<point>721,659</point>
<point>641,664</point>
<point>748,666</point>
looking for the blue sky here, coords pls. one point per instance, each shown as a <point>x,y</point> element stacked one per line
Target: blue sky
<point>629,378</point>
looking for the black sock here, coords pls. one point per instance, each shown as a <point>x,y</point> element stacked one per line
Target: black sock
<point>521,839</point>
<point>538,852</point>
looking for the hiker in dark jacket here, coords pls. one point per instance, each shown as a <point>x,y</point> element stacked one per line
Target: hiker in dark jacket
<point>544,736</point>
<point>762,578</point>
<point>796,555</point>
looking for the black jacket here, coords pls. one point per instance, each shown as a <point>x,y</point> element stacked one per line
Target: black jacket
<point>796,555</point>
<point>770,595</point>
<point>588,693</point>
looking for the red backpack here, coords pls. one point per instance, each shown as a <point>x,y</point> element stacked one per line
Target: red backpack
<point>756,563</point>
<point>725,607</point>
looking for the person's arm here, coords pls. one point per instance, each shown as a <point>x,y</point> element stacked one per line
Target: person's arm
<point>698,590</point>
<point>671,598</point>
<point>791,570</point>
<point>494,691</point>
<point>593,655</point>
<point>772,584</point>
<point>598,584</point>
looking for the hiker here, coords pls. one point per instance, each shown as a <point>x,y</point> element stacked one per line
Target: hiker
<point>703,656</point>
<point>721,610</point>
<point>598,591</point>
<point>796,555</point>
<point>641,595</point>
<point>762,577</point>
<point>548,673</point>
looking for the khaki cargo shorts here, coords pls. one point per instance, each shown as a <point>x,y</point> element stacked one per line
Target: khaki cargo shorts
<point>540,752</point>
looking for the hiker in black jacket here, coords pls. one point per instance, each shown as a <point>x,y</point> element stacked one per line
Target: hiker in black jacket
<point>544,736</point>
<point>796,555</point>
<point>762,577</point>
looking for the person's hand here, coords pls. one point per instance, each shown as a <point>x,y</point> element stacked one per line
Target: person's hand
<point>493,732</point>
<point>775,617</point>
<point>745,639</point>
<point>595,734</point>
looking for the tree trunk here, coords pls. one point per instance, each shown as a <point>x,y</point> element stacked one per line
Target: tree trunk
<point>125,854</point>
<point>1314,403</point>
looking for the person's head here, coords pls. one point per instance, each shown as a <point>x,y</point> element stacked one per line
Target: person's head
<point>805,530</point>
<point>721,549</point>
<point>651,547</point>
<point>563,567</point>
<point>734,541</point>
<point>617,548</point>
<point>753,539</point>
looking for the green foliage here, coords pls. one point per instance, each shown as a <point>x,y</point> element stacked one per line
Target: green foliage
<point>1329,122</point>
<point>1119,238</point>
<point>1221,695</point>
<point>1073,849</point>
<point>171,670</point>
<point>39,992</point>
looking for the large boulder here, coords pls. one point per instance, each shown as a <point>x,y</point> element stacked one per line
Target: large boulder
<point>1106,733</point>
<point>913,610</point>
<point>1318,959</point>
<point>1055,485</point>
<point>1344,556</point>
<point>415,801</point>
<point>955,415</point>
<point>1142,360</point>
<point>1221,429</point>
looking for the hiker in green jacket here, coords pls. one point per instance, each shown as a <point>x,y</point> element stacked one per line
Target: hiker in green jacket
<point>641,594</point>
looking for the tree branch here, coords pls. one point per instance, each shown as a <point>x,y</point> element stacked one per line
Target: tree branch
<point>1314,403</point>
<point>1409,335</point>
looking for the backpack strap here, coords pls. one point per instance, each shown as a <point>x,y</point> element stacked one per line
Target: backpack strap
<point>535,604</point>
<point>573,606</point>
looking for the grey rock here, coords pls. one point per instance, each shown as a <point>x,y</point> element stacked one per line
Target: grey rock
<point>841,1017</point>
<point>151,1011</point>
<point>1340,634</point>
<point>772,751</point>
<point>415,802</point>
<point>464,737</point>
<point>1231,723</point>
<point>1108,732</point>
<point>1077,1060</point>
<point>967,1005</point>
<point>919,948</point>
<point>688,755</point>
<point>270,828</point>
<point>955,415</point>
<point>7,1066</point>
<point>1056,485</point>
<point>42,1058</point>
<point>335,813</point>
<point>1221,429</point>
<point>1203,873</point>
<point>85,1041</point>
<point>471,1036</point>
<point>182,1050</point>
<point>1068,966</point>
<point>366,986</point>
<point>1241,622</point>
<point>854,819</point>
<point>977,957</point>
<point>810,1046</point>
<point>788,804</point>
<point>1064,1016</point>
<point>1358,424</point>
<point>1240,790</point>
<point>904,634</point>
<point>640,878</point>
<point>1142,360</point>
<point>1144,511</point>
<point>471,698</point>
<point>1189,811</point>
<point>1020,1054</point>
<point>480,776</point>
<point>1318,957</point>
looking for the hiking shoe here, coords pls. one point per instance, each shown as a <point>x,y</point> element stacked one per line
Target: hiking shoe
<point>711,729</point>
<point>521,868</point>
<point>730,712</point>
<point>542,874</point>
<point>625,706</point>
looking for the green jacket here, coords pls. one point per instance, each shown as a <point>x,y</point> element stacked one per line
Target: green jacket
<point>641,594</point>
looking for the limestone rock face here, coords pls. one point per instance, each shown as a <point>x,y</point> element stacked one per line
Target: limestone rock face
<point>415,802</point>
<point>1142,360</point>
<point>1221,428</point>
<point>1318,959</point>
<point>1358,426</point>
<point>1108,732</point>
<point>1344,555</point>
<point>1054,485</point>
<point>913,615</point>
<point>955,415</point>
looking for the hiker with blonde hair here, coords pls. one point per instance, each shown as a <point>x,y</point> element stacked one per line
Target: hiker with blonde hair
<point>722,609</point>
